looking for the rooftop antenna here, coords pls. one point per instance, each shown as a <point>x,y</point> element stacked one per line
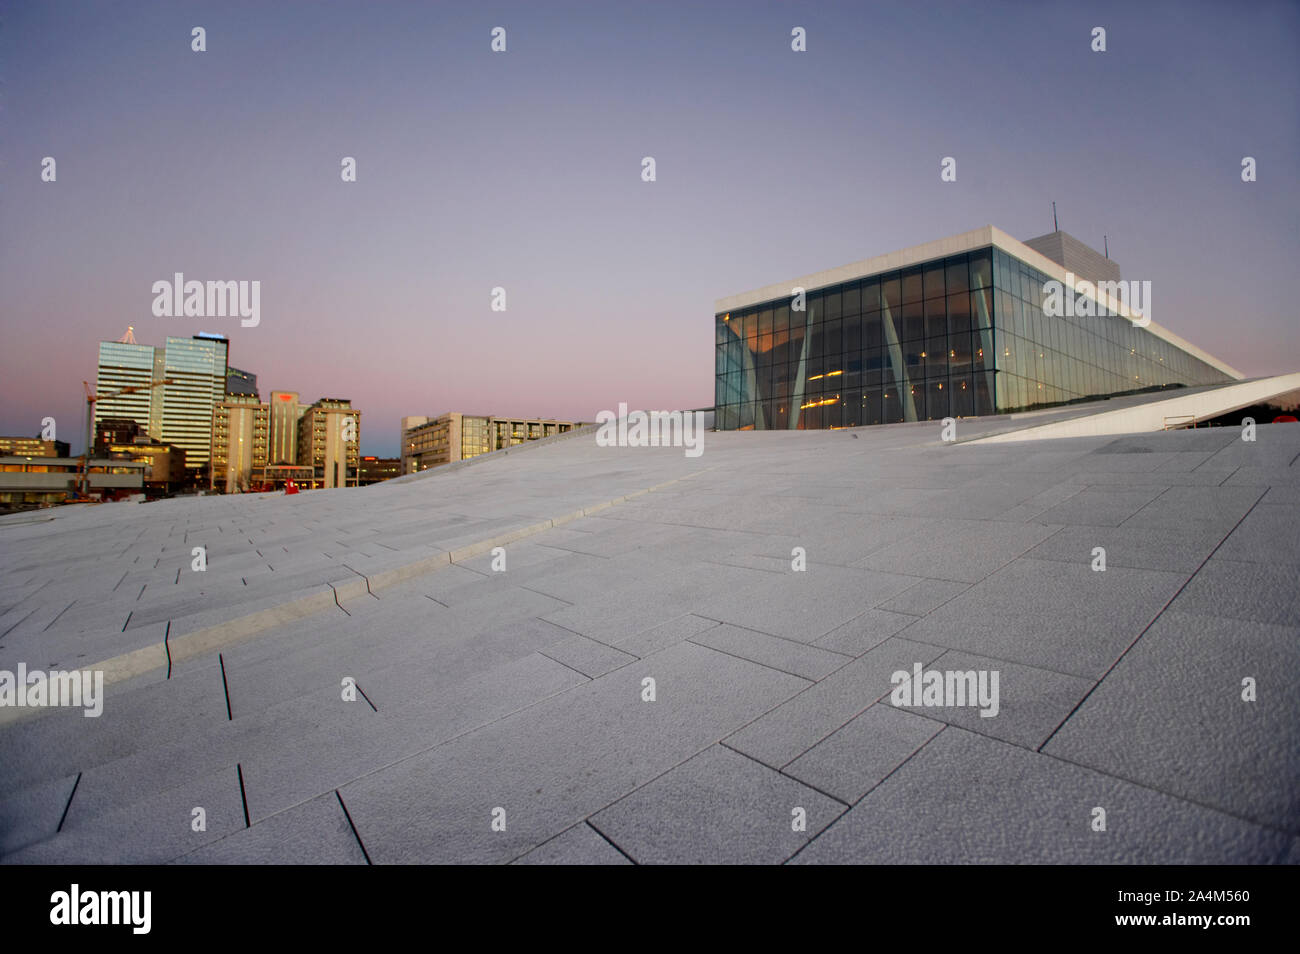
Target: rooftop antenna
<point>1105,243</point>
<point>1055,227</point>
<point>129,337</point>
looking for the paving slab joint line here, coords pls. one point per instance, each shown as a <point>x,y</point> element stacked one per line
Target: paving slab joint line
<point>845,814</point>
<point>782,772</point>
<point>1145,629</point>
<point>609,841</point>
<point>352,825</point>
<point>786,672</point>
<point>71,795</point>
<point>416,754</point>
<point>364,577</point>
<point>159,655</point>
<point>1293,832</point>
<point>570,668</point>
<point>334,590</point>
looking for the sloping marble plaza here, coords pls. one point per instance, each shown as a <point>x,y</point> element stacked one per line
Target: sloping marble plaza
<point>605,654</point>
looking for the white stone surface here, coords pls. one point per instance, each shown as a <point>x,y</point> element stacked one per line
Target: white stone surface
<point>523,689</point>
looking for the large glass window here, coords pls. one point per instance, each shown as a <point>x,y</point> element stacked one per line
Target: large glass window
<point>932,279</point>
<point>962,396</point>
<point>817,307</point>
<point>912,287</point>
<point>913,321</point>
<point>871,406</point>
<point>833,332</point>
<point>891,406</point>
<point>936,400</point>
<point>871,295</point>
<point>915,393</point>
<point>935,356</point>
<point>959,353</point>
<point>852,300</point>
<point>936,317</point>
<point>798,331</point>
<point>891,294</point>
<point>958,275</point>
<point>871,330</point>
<point>873,361</point>
<point>834,304</point>
<point>852,328</point>
<point>981,270</point>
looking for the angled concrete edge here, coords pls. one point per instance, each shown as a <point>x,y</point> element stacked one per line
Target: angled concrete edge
<point>1153,416</point>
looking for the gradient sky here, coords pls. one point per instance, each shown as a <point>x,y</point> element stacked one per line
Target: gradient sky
<point>523,170</point>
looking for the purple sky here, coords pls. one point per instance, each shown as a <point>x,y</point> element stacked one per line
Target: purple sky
<point>523,170</point>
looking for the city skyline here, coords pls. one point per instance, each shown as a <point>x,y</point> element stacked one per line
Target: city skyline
<point>227,168</point>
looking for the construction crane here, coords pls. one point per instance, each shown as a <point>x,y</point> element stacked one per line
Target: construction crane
<point>91,398</point>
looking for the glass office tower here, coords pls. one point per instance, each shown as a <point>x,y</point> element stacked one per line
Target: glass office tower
<point>951,336</point>
<point>135,368</point>
<point>196,368</point>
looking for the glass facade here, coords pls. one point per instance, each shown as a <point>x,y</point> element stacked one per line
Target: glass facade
<point>953,337</point>
<point>196,368</point>
<point>123,365</point>
<point>1043,360</point>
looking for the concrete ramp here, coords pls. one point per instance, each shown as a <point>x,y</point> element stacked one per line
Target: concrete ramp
<point>1157,415</point>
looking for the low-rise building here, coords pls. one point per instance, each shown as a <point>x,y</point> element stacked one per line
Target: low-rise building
<point>41,481</point>
<point>32,447</point>
<point>432,441</point>
<point>164,463</point>
<point>116,430</point>
<point>276,476</point>
<point>375,469</point>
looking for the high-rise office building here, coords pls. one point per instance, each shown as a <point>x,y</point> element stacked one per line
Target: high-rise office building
<point>329,440</point>
<point>125,364</point>
<point>240,437</point>
<point>285,412</point>
<point>197,369</point>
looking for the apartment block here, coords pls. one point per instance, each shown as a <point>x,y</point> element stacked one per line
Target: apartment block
<point>240,438</point>
<point>433,441</point>
<point>329,441</point>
